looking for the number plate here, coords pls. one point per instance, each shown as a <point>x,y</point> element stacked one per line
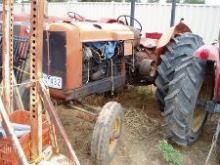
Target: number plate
<point>53,81</point>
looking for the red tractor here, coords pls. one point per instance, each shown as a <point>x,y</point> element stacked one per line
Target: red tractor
<point>85,58</point>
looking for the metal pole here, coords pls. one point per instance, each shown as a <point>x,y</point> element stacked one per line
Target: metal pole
<point>173,12</point>
<point>36,47</point>
<point>219,40</point>
<point>7,57</point>
<point>132,12</point>
<point>22,6</point>
<point>57,123</point>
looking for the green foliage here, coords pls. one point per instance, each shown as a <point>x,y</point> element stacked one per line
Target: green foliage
<point>195,1</point>
<point>171,155</point>
<point>188,1</point>
<point>152,1</point>
<point>170,1</point>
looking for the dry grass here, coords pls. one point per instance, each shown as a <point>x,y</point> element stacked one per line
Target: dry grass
<point>138,97</point>
<point>142,130</point>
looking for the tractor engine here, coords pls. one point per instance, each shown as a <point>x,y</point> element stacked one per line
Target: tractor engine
<point>85,58</point>
<point>141,68</point>
<point>100,59</point>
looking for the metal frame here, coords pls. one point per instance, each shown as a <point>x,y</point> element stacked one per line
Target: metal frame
<point>38,90</point>
<point>7,56</point>
<point>132,12</point>
<point>6,106</point>
<point>57,123</point>
<point>99,86</point>
<point>173,13</point>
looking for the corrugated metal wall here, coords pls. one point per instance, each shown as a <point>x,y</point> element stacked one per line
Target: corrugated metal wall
<point>203,20</point>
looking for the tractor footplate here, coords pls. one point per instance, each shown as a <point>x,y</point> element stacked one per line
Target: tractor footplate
<point>212,107</point>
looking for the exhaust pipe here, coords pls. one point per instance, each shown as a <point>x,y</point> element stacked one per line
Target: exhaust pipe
<point>146,67</point>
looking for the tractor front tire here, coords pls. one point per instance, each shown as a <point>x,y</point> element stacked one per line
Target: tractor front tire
<point>179,52</point>
<point>107,133</point>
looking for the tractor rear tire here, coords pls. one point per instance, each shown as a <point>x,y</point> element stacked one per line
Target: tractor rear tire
<point>107,133</point>
<point>184,110</point>
<point>178,52</point>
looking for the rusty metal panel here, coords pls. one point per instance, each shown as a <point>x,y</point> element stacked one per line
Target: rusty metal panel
<point>73,63</point>
<point>128,48</point>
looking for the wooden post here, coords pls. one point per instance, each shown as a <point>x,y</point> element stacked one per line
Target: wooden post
<point>36,48</point>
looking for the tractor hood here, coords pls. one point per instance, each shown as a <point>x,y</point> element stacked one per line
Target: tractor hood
<point>89,32</point>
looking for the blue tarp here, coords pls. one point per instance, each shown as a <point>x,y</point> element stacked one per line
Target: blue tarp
<point>19,129</point>
<point>108,47</point>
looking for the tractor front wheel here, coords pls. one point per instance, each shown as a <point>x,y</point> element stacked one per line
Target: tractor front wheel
<point>107,133</point>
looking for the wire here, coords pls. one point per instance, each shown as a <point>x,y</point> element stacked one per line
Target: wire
<point>21,70</point>
<point>21,84</point>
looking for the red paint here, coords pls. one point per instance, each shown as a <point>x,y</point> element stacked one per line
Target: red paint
<point>204,54</point>
<point>154,35</point>
<point>211,53</point>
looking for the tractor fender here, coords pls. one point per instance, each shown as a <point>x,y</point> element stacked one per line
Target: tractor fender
<point>211,53</point>
<point>166,37</point>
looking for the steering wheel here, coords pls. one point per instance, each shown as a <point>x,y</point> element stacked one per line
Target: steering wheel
<point>125,18</point>
<point>75,16</point>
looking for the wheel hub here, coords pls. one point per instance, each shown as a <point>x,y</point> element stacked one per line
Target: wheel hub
<point>114,135</point>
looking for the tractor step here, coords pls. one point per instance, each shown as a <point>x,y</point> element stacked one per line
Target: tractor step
<point>212,107</point>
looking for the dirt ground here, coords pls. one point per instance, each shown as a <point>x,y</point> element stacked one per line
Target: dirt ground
<point>143,129</point>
